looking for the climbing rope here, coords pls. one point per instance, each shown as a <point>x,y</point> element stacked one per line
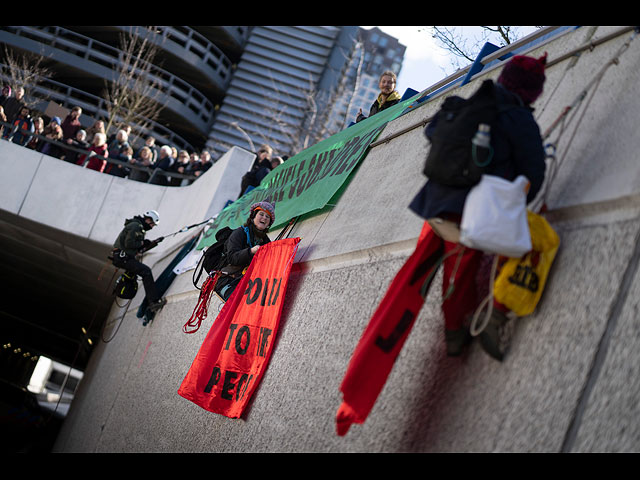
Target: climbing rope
<point>567,114</point>
<point>562,121</point>
<point>201,310</point>
<point>474,329</point>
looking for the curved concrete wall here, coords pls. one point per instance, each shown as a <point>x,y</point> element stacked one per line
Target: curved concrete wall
<point>568,384</point>
<point>94,205</point>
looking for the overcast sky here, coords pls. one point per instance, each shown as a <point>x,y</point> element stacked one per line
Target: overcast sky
<point>425,63</point>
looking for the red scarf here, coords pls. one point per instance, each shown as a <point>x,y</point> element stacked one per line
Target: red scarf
<point>386,333</point>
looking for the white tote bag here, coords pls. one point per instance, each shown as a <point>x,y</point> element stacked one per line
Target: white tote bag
<point>494,218</point>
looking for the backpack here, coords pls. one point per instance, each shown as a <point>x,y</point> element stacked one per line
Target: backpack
<point>453,159</point>
<point>213,258</point>
<point>126,286</point>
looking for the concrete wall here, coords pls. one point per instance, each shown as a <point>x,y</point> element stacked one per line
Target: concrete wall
<point>570,382</point>
<point>94,205</point>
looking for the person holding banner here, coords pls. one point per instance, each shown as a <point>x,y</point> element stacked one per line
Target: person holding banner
<point>242,245</point>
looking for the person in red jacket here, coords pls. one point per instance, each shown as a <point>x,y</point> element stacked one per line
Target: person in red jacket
<point>98,147</point>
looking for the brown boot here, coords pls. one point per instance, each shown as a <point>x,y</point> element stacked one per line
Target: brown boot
<point>495,338</point>
<point>456,340</point>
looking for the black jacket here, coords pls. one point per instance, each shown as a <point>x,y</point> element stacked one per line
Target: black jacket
<point>131,238</point>
<point>238,249</point>
<point>518,150</point>
<point>376,107</point>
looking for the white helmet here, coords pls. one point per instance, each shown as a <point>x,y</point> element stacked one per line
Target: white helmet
<point>153,215</point>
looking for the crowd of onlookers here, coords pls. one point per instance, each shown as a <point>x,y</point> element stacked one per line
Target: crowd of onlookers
<point>92,148</point>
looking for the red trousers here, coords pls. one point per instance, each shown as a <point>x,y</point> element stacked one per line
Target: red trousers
<point>460,269</point>
<point>392,321</point>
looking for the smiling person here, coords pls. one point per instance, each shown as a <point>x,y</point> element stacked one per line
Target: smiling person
<point>388,96</point>
<point>243,244</point>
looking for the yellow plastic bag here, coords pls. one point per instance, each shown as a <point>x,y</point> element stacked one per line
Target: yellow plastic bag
<point>521,281</point>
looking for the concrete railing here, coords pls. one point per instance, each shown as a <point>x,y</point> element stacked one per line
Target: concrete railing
<point>94,205</point>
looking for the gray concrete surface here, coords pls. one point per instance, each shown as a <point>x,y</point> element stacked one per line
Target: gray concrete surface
<point>569,384</point>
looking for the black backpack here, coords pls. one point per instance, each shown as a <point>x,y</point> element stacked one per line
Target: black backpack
<point>126,286</point>
<point>213,258</point>
<point>452,159</point>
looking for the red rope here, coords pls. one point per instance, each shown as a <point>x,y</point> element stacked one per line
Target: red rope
<point>201,309</point>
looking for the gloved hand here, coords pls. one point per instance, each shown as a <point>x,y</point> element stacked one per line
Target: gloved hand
<point>149,244</point>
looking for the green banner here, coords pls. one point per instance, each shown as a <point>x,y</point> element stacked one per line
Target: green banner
<point>307,181</point>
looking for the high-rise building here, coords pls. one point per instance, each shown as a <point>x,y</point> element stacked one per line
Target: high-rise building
<point>283,88</point>
<point>375,53</point>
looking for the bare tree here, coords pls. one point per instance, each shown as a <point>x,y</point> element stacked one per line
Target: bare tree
<point>133,95</point>
<point>25,70</point>
<point>317,124</point>
<point>357,56</point>
<point>464,43</point>
<point>316,106</point>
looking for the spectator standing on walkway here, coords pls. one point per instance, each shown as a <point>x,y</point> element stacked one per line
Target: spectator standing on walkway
<point>126,155</point>
<point>144,158</point>
<point>150,143</point>
<point>116,148</point>
<point>98,147</point>
<point>164,163</point>
<point>71,124</point>
<point>97,127</point>
<point>205,163</point>
<point>5,95</point>
<point>262,162</point>
<point>79,142</point>
<point>192,167</point>
<point>53,131</point>
<point>22,127</point>
<point>179,166</point>
<point>38,129</point>
<point>13,105</point>
<point>3,118</point>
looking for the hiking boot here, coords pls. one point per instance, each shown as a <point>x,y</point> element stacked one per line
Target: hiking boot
<point>495,338</point>
<point>456,340</point>
<point>157,305</point>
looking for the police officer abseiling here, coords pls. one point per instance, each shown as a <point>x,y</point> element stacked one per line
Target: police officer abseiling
<point>131,243</point>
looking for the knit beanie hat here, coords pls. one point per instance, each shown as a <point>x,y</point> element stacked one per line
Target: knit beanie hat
<point>265,207</point>
<point>524,76</point>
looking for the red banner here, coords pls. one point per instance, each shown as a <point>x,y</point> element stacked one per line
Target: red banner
<point>236,350</point>
<point>386,333</point>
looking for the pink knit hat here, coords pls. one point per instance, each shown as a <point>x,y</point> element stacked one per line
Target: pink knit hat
<point>524,76</point>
